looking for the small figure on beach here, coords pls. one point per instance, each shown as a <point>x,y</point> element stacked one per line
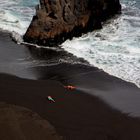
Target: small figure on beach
<point>50,99</point>
<point>70,87</point>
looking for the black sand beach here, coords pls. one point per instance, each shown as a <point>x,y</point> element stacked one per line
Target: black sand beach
<point>19,123</point>
<point>101,108</point>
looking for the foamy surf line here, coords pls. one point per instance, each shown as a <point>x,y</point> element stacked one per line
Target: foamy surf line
<point>42,47</point>
<point>114,49</point>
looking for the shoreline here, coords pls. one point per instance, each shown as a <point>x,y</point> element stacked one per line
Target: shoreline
<point>92,111</point>
<point>75,114</point>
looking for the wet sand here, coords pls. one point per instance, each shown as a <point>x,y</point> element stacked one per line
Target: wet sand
<point>100,108</point>
<point>75,114</point>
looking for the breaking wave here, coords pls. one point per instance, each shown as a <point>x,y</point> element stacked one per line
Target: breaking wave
<point>16,15</point>
<point>114,49</point>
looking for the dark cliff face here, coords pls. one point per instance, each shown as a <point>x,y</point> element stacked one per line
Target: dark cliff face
<point>57,20</point>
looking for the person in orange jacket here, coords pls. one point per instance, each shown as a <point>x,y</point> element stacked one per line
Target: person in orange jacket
<point>70,87</point>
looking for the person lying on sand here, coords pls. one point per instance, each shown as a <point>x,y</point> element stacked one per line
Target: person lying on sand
<point>50,99</point>
<point>70,87</point>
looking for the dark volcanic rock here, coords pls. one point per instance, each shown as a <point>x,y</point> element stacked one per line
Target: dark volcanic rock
<point>57,20</point>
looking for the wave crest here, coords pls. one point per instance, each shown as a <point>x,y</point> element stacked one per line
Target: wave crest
<point>115,48</point>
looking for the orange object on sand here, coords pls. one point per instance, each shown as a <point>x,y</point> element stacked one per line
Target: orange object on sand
<point>70,87</point>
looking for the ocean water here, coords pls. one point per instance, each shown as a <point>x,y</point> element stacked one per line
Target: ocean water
<point>114,49</point>
<point>16,15</point>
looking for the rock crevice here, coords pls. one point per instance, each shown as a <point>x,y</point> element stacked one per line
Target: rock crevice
<point>58,20</point>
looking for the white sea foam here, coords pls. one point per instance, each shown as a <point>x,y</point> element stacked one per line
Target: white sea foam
<point>15,16</point>
<point>115,48</point>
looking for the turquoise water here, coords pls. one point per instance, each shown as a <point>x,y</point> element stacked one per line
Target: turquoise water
<point>114,49</point>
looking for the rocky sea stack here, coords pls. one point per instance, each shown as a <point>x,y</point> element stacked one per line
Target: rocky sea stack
<point>58,20</point>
